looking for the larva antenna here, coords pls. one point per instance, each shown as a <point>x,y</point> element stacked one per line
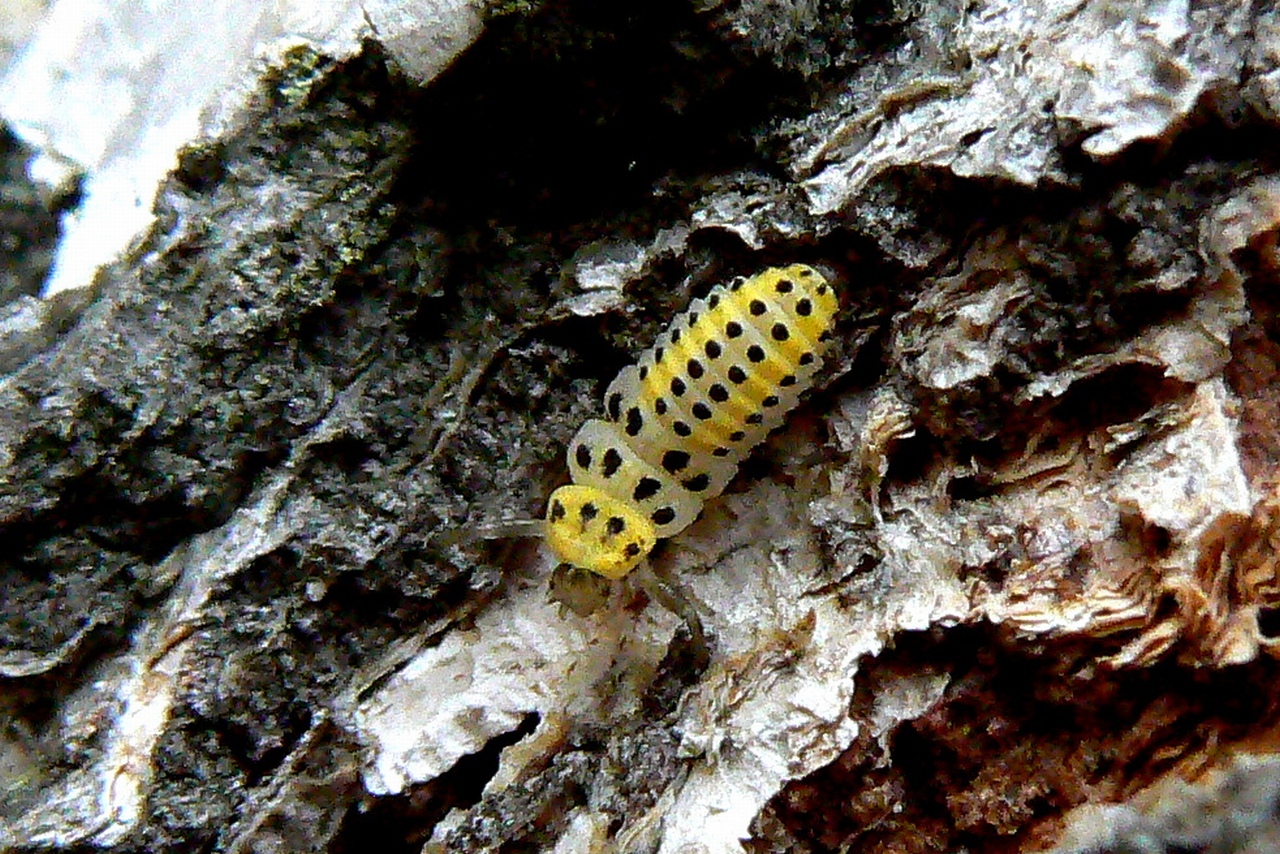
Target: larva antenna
<point>505,529</point>
<point>516,529</point>
<point>670,596</point>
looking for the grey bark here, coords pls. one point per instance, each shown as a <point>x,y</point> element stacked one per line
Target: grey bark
<point>1008,575</point>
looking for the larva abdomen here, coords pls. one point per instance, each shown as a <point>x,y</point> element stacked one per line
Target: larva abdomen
<point>679,421</point>
<point>600,457</point>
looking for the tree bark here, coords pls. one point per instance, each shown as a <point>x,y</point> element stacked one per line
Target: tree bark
<point>1005,582</point>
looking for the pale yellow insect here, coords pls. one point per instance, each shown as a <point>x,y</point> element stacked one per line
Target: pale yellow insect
<point>679,421</point>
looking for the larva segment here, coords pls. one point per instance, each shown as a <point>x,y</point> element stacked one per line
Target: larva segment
<point>656,423</point>
<point>600,457</point>
<point>593,530</point>
<point>746,372</point>
<point>760,341</point>
<point>806,299</point>
<point>684,376</point>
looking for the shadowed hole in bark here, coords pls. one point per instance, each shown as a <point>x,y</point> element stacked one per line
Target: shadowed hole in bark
<point>400,824</point>
<point>1269,622</point>
<point>602,103</point>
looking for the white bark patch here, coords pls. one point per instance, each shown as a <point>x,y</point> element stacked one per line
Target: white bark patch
<point>101,91</point>
<point>524,655</point>
<point>774,705</point>
<point>1120,72</point>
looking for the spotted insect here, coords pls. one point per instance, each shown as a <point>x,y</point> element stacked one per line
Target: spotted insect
<point>679,421</point>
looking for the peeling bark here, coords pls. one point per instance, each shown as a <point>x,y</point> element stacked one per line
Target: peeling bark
<point>1006,582</point>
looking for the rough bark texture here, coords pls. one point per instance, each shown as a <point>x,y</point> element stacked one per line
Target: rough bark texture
<point>1007,582</point>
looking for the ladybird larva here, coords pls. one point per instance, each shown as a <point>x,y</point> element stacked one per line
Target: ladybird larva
<point>679,421</point>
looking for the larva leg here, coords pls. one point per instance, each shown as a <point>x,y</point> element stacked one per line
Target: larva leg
<point>670,596</point>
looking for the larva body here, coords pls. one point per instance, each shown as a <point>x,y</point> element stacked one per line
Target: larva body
<point>679,421</point>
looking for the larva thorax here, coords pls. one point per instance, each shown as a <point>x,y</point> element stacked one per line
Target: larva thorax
<point>680,420</point>
<point>591,529</point>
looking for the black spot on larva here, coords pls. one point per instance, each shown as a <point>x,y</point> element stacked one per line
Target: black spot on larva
<point>660,405</point>
<point>616,525</point>
<point>557,511</point>
<point>788,380</point>
<point>674,461</point>
<point>583,455</point>
<point>635,421</point>
<point>677,386</point>
<point>646,488</point>
<point>822,290</point>
<point>737,283</point>
<point>632,550</point>
<point>589,511</point>
<point>697,483</point>
<point>658,353</point>
<point>733,329</point>
<point>675,335</point>
<point>720,452</point>
<point>780,332</point>
<point>615,405</point>
<point>712,349</point>
<point>755,418</point>
<point>693,318</point>
<point>663,515</point>
<point>612,462</point>
<point>805,272</point>
<point>804,308</point>
<point>682,429</point>
<point>769,402</point>
<point>701,411</point>
<point>806,358</point>
<point>713,300</point>
<point>755,353</point>
<point>644,372</point>
<point>694,367</point>
<point>784,286</point>
<point>736,375</point>
<point>825,336</point>
<point>756,307</point>
<point>737,436</point>
<point>718,393</point>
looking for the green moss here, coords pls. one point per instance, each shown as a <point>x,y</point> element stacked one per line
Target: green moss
<point>505,8</point>
<point>301,69</point>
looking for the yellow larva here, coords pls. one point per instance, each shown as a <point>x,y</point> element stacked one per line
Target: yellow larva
<point>679,421</point>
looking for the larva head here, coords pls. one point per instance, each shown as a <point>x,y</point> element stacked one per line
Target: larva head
<point>591,530</point>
